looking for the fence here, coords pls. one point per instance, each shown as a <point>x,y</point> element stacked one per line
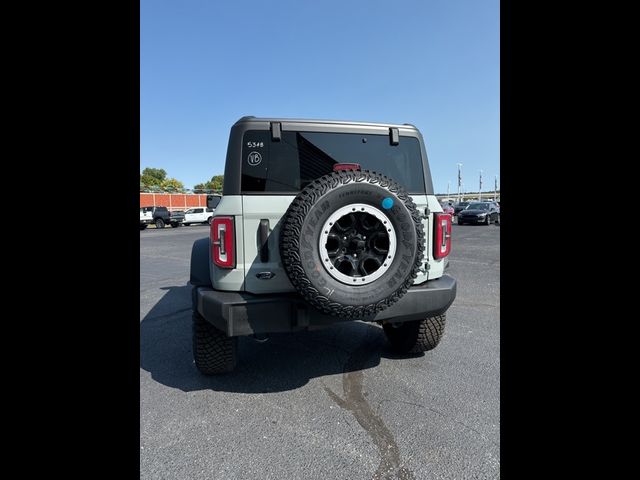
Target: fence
<point>173,201</point>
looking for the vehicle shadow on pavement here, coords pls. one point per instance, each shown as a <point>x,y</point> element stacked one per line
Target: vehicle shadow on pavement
<point>284,362</point>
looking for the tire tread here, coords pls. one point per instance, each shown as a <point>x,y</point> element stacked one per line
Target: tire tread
<point>417,336</point>
<point>213,351</point>
<point>291,233</point>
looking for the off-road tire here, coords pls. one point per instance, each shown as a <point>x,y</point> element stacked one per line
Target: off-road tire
<point>300,236</point>
<point>213,351</point>
<point>159,223</point>
<point>416,336</point>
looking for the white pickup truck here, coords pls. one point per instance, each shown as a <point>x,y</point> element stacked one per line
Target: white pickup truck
<point>198,215</point>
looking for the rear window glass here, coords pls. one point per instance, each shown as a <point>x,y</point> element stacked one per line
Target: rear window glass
<point>479,206</point>
<point>300,157</point>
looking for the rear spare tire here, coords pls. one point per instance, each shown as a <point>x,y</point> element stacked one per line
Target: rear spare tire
<point>352,243</point>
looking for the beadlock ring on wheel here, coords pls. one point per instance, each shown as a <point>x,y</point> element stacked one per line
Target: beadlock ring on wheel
<point>357,244</point>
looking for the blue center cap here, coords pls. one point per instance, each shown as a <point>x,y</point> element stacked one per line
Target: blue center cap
<point>387,203</point>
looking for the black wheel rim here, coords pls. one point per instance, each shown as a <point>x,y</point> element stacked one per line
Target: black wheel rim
<point>357,246</point>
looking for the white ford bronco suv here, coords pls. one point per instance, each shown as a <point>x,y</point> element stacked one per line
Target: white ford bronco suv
<point>321,222</point>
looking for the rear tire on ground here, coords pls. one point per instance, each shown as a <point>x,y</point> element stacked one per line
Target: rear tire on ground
<point>186,224</point>
<point>416,336</point>
<point>175,224</point>
<point>213,351</point>
<point>159,223</point>
<point>209,220</point>
<point>143,226</point>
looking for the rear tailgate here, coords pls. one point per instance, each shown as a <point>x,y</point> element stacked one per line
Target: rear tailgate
<point>146,216</point>
<point>267,275</point>
<point>264,274</point>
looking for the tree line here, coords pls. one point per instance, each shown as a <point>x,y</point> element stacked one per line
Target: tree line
<point>214,184</point>
<point>156,180</point>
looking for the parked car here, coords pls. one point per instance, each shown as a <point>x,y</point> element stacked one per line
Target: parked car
<point>160,216</point>
<point>459,206</point>
<point>479,212</point>
<point>198,215</point>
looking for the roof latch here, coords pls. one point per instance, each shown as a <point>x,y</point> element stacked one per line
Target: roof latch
<point>394,136</point>
<point>276,131</point>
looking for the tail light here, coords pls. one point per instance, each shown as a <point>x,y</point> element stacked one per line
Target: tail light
<point>223,244</point>
<point>442,235</point>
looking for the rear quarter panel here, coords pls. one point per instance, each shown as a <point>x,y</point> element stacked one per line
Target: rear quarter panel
<point>224,278</point>
<point>436,266</point>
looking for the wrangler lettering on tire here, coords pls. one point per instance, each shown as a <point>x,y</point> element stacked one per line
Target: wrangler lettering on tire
<point>352,243</point>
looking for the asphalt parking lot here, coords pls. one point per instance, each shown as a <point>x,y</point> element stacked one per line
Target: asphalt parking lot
<point>332,403</point>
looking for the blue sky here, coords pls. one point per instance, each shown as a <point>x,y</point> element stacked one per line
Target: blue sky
<point>433,63</point>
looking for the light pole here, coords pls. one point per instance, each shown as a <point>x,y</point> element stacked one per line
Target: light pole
<point>448,186</point>
<point>495,188</point>
<point>459,181</point>
<point>480,198</point>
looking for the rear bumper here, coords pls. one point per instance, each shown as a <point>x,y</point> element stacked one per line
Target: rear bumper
<point>241,313</point>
